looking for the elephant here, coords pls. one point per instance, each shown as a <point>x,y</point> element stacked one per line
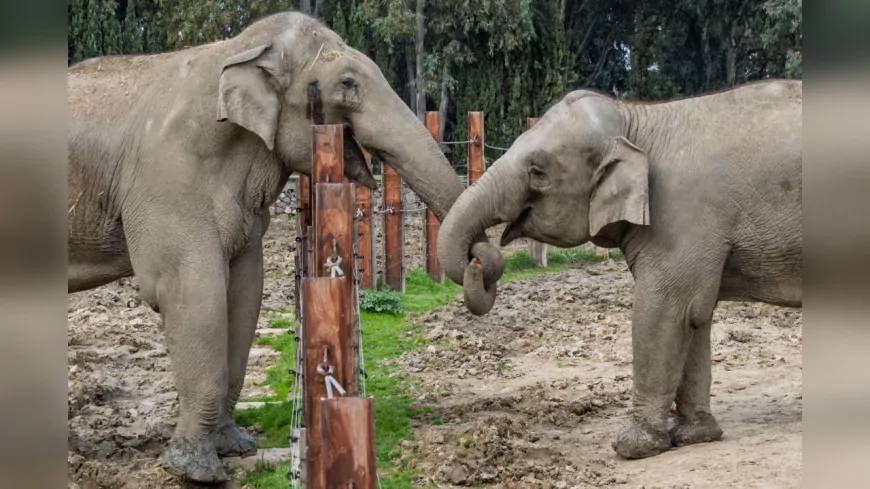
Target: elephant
<point>174,159</point>
<point>703,197</point>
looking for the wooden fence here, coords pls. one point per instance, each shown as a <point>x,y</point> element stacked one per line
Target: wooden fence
<point>336,446</point>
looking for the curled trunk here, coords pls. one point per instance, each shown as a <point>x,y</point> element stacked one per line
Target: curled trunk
<point>478,299</point>
<point>497,197</point>
<point>398,139</point>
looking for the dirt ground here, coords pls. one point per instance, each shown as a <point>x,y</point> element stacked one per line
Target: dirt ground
<point>530,395</point>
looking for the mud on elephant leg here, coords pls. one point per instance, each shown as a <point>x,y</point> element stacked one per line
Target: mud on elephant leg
<point>694,422</point>
<point>193,303</point>
<point>659,348</point>
<point>244,300</point>
<point>670,335</point>
<point>665,331</point>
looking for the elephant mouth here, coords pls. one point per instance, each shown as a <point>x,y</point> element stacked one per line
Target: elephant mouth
<point>356,167</point>
<point>514,230</point>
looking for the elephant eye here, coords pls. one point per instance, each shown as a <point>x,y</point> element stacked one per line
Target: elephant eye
<point>536,171</point>
<point>348,82</point>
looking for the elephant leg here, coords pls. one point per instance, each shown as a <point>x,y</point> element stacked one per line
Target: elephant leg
<point>694,422</point>
<point>244,299</point>
<point>192,297</point>
<point>668,310</point>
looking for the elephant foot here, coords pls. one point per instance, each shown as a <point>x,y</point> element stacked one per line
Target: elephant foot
<point>233,441</point>
<point>702,429</point>
<point>641,441</point>
<point>194,460</point>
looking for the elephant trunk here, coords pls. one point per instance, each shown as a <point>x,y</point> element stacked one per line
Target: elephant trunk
<point>490,201</point>
<point>402,142</point>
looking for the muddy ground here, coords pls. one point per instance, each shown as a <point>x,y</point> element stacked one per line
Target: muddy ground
<point>530,395</point>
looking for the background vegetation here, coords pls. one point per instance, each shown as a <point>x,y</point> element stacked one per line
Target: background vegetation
<point>508,58</point>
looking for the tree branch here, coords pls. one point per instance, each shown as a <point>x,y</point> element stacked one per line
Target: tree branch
<point>600,65</point>
<point>587,38</point>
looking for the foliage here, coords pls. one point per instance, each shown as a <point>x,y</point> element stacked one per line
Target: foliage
<point>508,58</point>
<point>380,301</point>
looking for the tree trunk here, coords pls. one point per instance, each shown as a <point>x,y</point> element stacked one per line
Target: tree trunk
<point>412,79</point>
<point>305,7</point>
<point>421,34</point>
<point>445,100</point>
<point>707,57</point>
<point>731,61</point>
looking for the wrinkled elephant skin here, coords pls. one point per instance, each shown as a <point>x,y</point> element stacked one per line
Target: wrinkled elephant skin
<point>703,197</point>
<point>174,160</point>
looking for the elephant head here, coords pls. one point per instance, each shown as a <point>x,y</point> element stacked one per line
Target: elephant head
<point>572,178</point>
<point>292,72</point>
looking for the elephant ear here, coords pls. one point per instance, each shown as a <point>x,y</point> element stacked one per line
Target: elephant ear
<point>621,190</point>
<point>245,96</point>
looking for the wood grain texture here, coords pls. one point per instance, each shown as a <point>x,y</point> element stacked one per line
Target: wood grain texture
<point>432,224</point>
<point>349,453</point>
<point>394,231</point>
<point>537,249</point>
<point>327,163</point>
<point>303,213</point>
<point>324,338</point>
<point>364,235</point>
<point>475,149</point>
<point>334,234</point>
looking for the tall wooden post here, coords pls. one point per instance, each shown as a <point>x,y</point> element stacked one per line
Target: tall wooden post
<point>324,345</point>
<point>536,249</point>
<point>432,224</point>
<point>365,237</point>
<point>475,147</point>
<point>303,218</point>
<point>332,456</point>
<point>394,231</point>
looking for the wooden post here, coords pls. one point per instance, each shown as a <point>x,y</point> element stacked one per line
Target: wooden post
<point>303,219</point>
<point>324,343</point>
<point>327,160</point>
<point>334,240</point>
<point>349,452</point>
<point>536,249</point>
<point>394,231</point>
<point>365,237</point>
<point>475,147</point>
<point>432,225</point>
<point>338,444</point>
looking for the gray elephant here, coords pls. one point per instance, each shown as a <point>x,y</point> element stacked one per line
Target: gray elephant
<point>703,196</point>
<point>174,160</point>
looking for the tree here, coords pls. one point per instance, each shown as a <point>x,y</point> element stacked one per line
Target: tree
<point>508,58</point>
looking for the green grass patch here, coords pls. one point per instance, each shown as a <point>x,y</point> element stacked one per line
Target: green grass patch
<point>274,420</point>
<point>268,476</point>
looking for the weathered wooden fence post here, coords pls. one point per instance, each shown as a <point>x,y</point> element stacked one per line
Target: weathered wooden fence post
<point>394,231</point>
<point>432,225</point>
<point>475,147</point>
<point>536,249</point>
<point>349,455</point>
<point>365,237</point>
<point>339,430</point>
<point>303,219</point>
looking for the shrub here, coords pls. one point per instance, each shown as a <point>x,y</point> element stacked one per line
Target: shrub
<point>380,301</point>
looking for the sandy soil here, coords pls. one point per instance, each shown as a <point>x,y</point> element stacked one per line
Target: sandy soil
<point>532,394</point>
<point>529,396</point>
